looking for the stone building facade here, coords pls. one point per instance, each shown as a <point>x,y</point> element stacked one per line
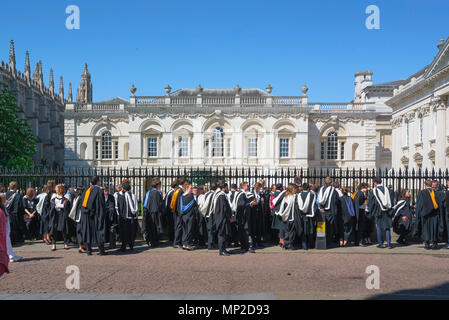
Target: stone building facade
<point>234,127</point>
<point>420,119</point>
<point>40,106</point>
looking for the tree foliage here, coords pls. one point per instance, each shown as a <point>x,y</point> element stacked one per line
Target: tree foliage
<point>17,142</point>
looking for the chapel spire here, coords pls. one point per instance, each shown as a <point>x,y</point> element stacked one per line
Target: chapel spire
<point>12,58</point>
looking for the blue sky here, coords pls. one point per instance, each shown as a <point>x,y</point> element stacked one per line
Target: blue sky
<point>221,43</point>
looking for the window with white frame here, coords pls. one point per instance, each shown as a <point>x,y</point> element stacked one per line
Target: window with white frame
<point>97,155</point>
<point>183,147</point>
<point>116,149</point>
<point>332,145</point>
<point>342,151</point>
<point>228,147</point>
<point>217,142</point>
<point>106,145</point>
<point>284,146</point>
<point>152,147</point>
<point>323,151</point>
<point>252,147</point>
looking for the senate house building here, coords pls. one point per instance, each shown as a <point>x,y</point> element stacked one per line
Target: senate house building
<point>398,124</point>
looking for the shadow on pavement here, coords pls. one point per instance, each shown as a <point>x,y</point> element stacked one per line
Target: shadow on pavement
<point>440,292</point>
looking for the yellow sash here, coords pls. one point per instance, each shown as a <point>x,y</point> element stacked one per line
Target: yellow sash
<point>353,195</point>
<point>86,197</point>
<point>432,196</point>
<point>174,199</point>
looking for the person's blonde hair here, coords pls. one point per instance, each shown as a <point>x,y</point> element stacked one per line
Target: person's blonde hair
<point>60,189</point>
<point>13,185</point>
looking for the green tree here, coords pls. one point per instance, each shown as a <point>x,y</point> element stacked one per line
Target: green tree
<point>17,142</point>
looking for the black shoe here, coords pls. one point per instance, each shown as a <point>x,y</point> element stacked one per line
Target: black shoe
<point>427,246</point>
<point>89,253</point>
<point>122,249</point>
<point>390,246</point>
<point>252,250</point>
<point>112,246</point>
<point>177,246</point>
<point>380,246</point>
<point>102,253</point>
<point>224,253</point>
<point>434,246</point>
<point>81,251</point>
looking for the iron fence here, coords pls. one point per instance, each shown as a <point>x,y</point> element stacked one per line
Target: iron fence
<point>140,177</point>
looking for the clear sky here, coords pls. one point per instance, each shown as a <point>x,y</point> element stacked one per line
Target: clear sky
<point>218,44</point>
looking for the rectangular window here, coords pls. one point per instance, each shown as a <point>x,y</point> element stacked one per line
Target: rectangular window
<point>323,150</point>
<point>342,151</point>
<point>228,147</point>
<point>152,147</point>
<point>252,147</point>
<point>96,149</point>
<point>183,145</point>
<point>284,147</point>
<point>116,149</point>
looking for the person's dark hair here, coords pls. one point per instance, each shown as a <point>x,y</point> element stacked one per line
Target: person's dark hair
<point>126,186</point>
<point>155,182</point>
<point>345,190</point>
<point>234,186</point>
<point>213,186</point>
<point>181,181</point>
<point>335,184</point>
<point>305,186</point>
<point>221,184</point>
<point>378,180</point>
<point>402,194</point>
<point>174,184</point>
<point>94,180</point>
<point>279,187</point>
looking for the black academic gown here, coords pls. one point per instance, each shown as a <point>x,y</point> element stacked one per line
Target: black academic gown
<point>348,221</point>
<point>383,219</point>
<point>45,215</point>
<point>16,217</point>
<point>400,226</point>
<point>111,218</point>
<point>127,222</point>
<point>277,222</point>
<point>58,219</point>
<point>188,211</point>
<point>178,218</point>
<point>222,215</point>
<point>168,220</point>
<point>242,218</point>
<point>93,218</point>
<point>152,216</point>
<point>431,219</point>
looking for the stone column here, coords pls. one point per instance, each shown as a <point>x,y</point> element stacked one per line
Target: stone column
<point>440,145</point>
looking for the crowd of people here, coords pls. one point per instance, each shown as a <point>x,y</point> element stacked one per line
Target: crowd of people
<point>220,216</point>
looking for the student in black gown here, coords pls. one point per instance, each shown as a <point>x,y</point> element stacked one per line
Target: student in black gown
<point>188,211</point>
<point>430,215</point>
<point>348,216</point>
<point>202,224</point>
<point>59,211</point>
<point>174,206</point>
<point>241,205</point>
<point>169,214</point>
<point>289,213</point>
<point>360,199</point>
<point>15,212</point>
<point>31,216</point>
<point>127,208</point>
<point>380,207</point>
<point>75,216</point>
<point>93,211</point>
<point>207,212</point>
<point>111,217</point>
<point>152,211</point>
<point>329,205</point>
<point>307,206</point>
<point>234,238</point>
<point>43,209</point>
<point>221,216</point>
<point>403,216</point>
<point>256,220</point>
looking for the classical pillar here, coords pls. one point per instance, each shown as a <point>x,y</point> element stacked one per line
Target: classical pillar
<point>440,150</point>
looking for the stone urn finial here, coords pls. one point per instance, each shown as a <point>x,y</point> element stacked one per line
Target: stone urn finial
<point>133,90</point>
<point>167,89</point>
<point>304,90</point>
<point>269,89</point>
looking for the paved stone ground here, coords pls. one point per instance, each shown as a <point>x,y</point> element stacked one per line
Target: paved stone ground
<point>166,273</point>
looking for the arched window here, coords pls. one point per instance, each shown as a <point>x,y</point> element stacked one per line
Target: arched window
<point>332,145</point>
<point>106,145</point>
<point>217,142</point>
